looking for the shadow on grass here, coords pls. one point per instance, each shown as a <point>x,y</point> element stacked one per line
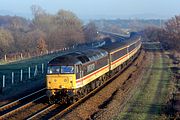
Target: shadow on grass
<point>22,89</point>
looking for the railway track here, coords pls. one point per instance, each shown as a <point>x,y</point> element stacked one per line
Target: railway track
<point>71,107</point>
<point>52,112</point>
<point>56,111</point>
<point>20,104</point>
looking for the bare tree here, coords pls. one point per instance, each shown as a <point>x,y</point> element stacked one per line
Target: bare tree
<point>6,41</point>
<point>45,31</point>
<point>69,27</point>
<point>169,36</point>
<point>152,33</point>
<point>172,32</point>
<point>90,31</point>
<point>41,45</point>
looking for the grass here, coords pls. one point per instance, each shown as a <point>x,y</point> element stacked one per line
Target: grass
<point>150,98</point>
<point>152,46</point>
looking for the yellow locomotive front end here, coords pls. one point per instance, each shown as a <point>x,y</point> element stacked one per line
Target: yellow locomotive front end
<point>60,82</point>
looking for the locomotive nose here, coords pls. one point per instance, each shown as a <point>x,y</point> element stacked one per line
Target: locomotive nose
<point>60,81</point>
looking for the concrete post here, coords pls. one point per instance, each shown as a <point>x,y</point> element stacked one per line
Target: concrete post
<point>21,75</point>
<point>29,73</point>
<point>42,68</point>
<point>35,71</point>
<point>4,82</point>
<point>12,78</point>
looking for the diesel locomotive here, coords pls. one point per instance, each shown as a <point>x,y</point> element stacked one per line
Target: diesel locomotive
<point>73,75</point>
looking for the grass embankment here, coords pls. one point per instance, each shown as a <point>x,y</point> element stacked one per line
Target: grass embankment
<point>150,97</point>
<point>26,85</point>
<point>7,69</point>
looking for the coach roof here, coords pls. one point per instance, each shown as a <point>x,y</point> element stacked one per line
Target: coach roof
<point>117,45</point>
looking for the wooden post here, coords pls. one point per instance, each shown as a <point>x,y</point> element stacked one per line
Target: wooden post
<point>28,55</point>
<point>21,56</point>
<point>5,57</point>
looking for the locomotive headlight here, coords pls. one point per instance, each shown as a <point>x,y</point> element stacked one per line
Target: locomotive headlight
<point>55,80</point>
<point>61,86</point>
<point>65,80</point>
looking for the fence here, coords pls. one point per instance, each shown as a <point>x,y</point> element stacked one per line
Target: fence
<point>21,56</point>
<point>8,80</point>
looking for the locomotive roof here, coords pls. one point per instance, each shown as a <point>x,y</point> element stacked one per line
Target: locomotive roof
<point>64,60</point>
<point>79,57</point>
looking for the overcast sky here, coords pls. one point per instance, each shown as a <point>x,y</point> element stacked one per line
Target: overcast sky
<point>95,9</point>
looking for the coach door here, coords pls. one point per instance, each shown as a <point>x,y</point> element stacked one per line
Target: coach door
<point>81,73</point>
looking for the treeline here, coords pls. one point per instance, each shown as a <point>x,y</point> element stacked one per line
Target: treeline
<point>117,25</point>
<point>168,34</point>
<point>44,32</point>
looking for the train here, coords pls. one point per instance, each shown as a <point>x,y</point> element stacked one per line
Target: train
<point>71,76</point>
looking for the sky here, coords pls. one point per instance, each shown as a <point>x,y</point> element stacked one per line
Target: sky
<point>97,9</point>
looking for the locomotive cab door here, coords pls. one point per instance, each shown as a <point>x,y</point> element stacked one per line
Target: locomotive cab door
<point>79,74</point>
<point>78,68</point>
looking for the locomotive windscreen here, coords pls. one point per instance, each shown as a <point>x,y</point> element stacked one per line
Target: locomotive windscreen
<point>60,70</point>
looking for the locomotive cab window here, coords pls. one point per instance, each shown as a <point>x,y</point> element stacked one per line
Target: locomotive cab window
<point>53,70</point>
<point>67,69</point>
<point>60,69</point>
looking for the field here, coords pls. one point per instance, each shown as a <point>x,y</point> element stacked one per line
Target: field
<point>150,97</point>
